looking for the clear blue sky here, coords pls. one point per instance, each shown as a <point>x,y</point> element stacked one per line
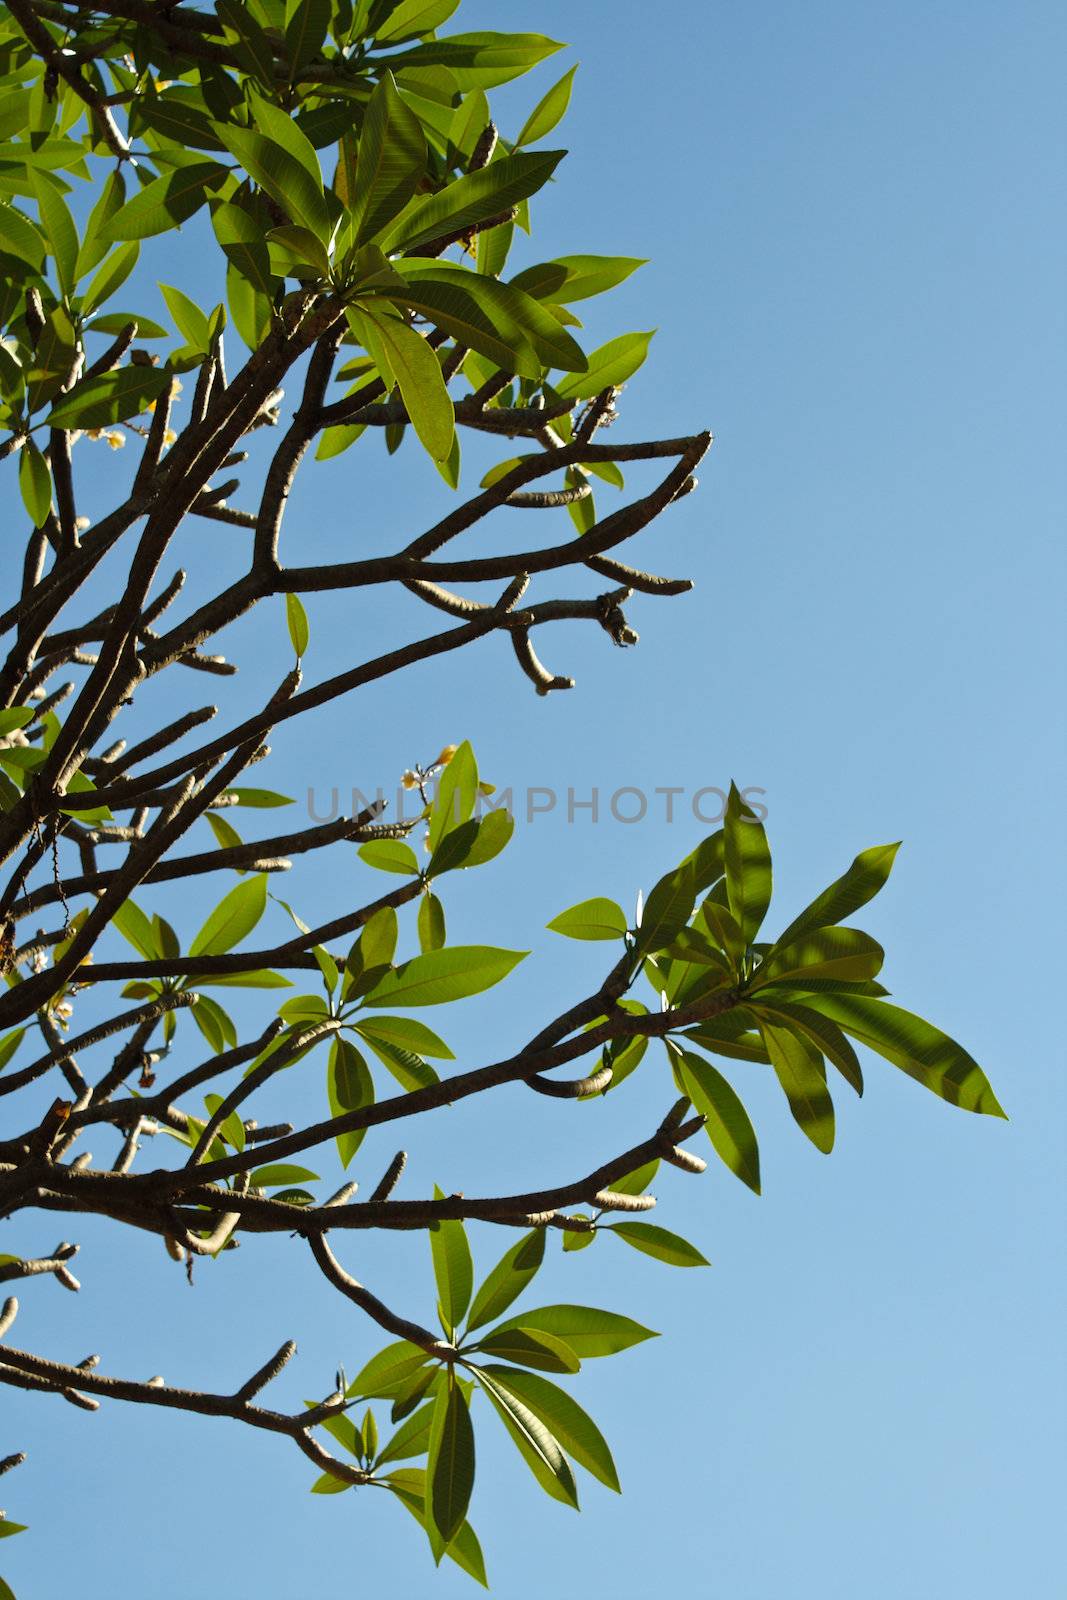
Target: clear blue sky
<point>855,219</point>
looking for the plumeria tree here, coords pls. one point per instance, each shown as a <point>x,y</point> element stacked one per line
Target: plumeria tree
<point>338,165</point>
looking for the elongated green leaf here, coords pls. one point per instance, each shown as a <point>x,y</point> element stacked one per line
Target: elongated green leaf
<point>297,621</point>
<point>864,878</point>
<point>35,483</point>
<point>479,60</point>
<point>570,278</point>
<point>413,17</point>
<point>442,975</point>
<point>389,855</point>
<point>418,376</point>
<point>165,202</point>
<point>825,1035</point>
<point>728,1126</point>
<point>136,929</point>
<point>748,865</point>
<point>528,1347</point>
<point>659,1243</point>
<point>537,1445</point>
<point>508,1279</point>
<point>276,1172</point>
<point>59,228</point>
<point>548,112</point>
<point>800,1072</point>
<point>9,1045</point>
<point>457,788</point>
<point>305,31</point>
<point>408,1068</point>
<point>285,178</point>
<point>349,1087</point>
<point>453,1268</point>
<point>391,160</point>
<point>821,953</point>
<point>667,909</point>
<point>589,1332</point>
<point>431,923</point>
<point>387,1371</point>
<point>915,1046</point>
<point>190,321</point>
<point>591,919</point>
<point>613,363</point>
<point>412,1438</point>
<point>111,276</point>
<point>407,1032</point>
<point>233,918</point>
<point>253,48</point>
<point>243,240</point>
<point>408,1484</point>
<point>451,306</point>
<point>517,316</point>
<point>111,397</point>
<point>20,237</point>
<point>471,199</point>
<point>564,1417</point>
<point>450,1467</point>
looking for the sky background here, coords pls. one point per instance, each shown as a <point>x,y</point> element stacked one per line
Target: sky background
<point>855,223</point>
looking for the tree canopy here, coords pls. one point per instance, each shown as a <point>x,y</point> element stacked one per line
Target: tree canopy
<point>341,162</point>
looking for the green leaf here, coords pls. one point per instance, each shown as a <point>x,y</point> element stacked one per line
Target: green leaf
<point>479,60</point>
<point>20,237</point>
<point>276,1172</point>
<point>457,789</point>
<point>215,1024</point>
<point>305,31</point>
<point>667,910</point>
<point>112,275</point>
<point>413,17</point>
<point>349,1087</point>
<point>864,878</point>
<point>821,953</point>
<point>190,321</point>
<point>523,322</point>
<point>94,245</point>
<point>408,1484</point>
<point>612,364</point>
<point>111,397</point>
<point>231,1128</point>
<point>825,1035</point>
<point>253,48</point>
<point>801,1074</point>
<point>748,865</point>
<point>259,799</point>
<point>527,1348</point>
<point>326,1483</point>
<point>35,483</point>
<point>233,918</point>
<point>418,375</point>
<point>243,240</point>
<point>591,919</point>
<point>136,929</point>
<point>166,202</point>
<point>390,162</point>
<point>389,855</point>
<point>9,1045</point>
<point>281,175</point>
<point>548,112</point>
<point>443,975</point>
<point>728,1125</point>
<point>407,1032</point>
<point>244,980</point>
<point>508,1279</point>
<point>452,1267</point>
<point>569,1424</point>
<point>589,1332</point>
<point>536,1444</point>
<point>297,621</point>
<point>327,966</point>
<point>387,1371</point>
<point>431,923</point>
<point>658,1242</point>
<point>570,278</point>
<point>413,1438</point>
<point>471,199</point>
<point>915,1046</point>
<point>450,1466</point>
<point>59,229</point>
<point>636,1182</point>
